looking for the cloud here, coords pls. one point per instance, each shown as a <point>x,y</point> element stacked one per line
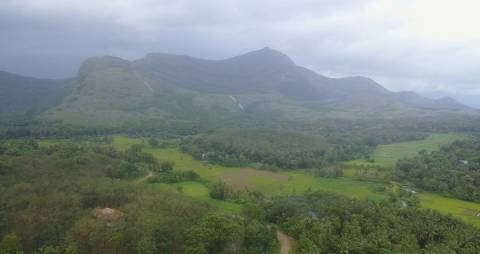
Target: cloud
<point>422,45</point>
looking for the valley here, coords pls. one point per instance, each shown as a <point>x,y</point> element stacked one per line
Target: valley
<point>243,155</point>
<point>292,182</point>
<point>239,127</point>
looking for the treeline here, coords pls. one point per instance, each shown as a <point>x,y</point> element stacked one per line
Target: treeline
<point>286,149</point>
<point>28,128</point>
<point>327,223</point>
<point>452,171</point>
<point>76,198</point>
<point>368,130</point>
<point>272,148</point>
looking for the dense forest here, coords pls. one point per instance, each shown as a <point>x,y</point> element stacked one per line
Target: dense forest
<point>452,171</point>
<point>82,197</point>
<point>287,149</point>
<point>71,198</point>
<point>327,223</point>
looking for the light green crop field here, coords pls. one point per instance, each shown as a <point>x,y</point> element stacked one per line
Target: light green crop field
<point>388,155</point>
<point>200,192</point>
<point>270,183</point>
<point>467,211</point>
<point>123,143</point>
<point>297,182</point>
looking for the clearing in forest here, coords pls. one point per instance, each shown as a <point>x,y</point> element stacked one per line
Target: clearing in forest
<point>244,178</point>
<point>388,155</point>
<point>297,182</point>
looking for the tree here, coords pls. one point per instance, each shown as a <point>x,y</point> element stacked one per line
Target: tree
<point>166,166</point>
<point>258,238</point>
<point>153,142</point>
<point>3,168</point>
<point>50,250</point>
<point>146,246</point>
<point>136,148</point>
<point>10,244</point>
<point>213,234</point>
<point>221,190</point>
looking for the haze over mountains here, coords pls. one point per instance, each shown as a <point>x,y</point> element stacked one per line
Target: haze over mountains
<point>22,94</point>
<point>112,91</point>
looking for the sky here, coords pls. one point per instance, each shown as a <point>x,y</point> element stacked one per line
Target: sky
<point>428,46</point>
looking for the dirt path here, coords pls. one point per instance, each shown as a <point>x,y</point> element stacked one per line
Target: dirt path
<point>145,178</point>
<point>286,243</point>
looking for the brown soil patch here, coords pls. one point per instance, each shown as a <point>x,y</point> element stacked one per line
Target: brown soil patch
<point>110,215</point>
<point>240,179</point>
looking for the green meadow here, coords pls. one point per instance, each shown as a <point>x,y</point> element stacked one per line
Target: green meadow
<point>200,192</point>
<point>270,183</point>
<point>388,155</point>
<point>468,211</point>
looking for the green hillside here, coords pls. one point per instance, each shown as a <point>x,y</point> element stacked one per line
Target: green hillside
<point>109,91</point>
<point>20,95</point>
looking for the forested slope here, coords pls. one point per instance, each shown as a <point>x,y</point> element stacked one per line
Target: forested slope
<point>452,171</point>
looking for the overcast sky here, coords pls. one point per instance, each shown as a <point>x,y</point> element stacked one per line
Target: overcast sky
<point>429,46</point>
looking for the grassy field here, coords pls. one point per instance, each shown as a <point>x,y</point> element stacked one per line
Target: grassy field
<point>297,182</point>
<point>200,192</point>
<point>388,155</point>
<point>270,183</point>
<point>465,210</point>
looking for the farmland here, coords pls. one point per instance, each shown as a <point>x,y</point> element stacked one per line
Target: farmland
<point>388,155</point>
<point>297,182</point>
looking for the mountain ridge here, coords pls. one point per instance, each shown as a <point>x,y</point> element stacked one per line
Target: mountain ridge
<point>109,90</point>
<point>268,55</point>
<point>37,94</point>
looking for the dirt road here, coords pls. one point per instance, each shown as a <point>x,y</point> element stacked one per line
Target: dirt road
<point>286,243</point>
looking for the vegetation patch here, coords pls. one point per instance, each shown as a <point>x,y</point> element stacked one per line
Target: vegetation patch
<point>245,178</point>
<point>388,155</point>
<point>297,182</point>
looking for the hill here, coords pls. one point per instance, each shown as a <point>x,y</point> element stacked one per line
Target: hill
<point>111,91</point>
<point>19,94</point>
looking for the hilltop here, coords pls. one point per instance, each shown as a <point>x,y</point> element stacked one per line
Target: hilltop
<point>110,91</point>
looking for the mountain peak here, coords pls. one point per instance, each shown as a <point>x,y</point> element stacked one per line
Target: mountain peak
<point>269,50</point>
<point>266,56</point>
<point>99,63</point>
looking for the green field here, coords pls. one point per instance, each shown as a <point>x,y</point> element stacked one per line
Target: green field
<point>275,183</point>
<point>297,182</point>
<point>467,211</point>
<point>200,192</point>
<point>388,155</point>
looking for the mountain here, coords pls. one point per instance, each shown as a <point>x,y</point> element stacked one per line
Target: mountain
<point>19,94</point>
<point>470,99</point>
<point>111,91</point>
